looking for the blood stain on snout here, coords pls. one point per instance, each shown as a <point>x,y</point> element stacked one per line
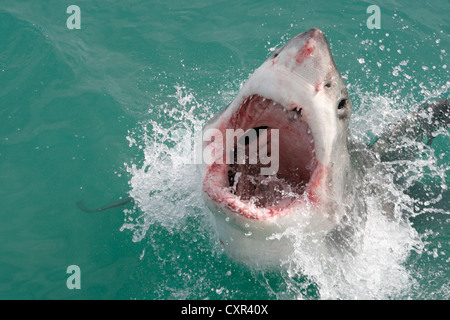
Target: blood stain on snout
<point>305,52</point>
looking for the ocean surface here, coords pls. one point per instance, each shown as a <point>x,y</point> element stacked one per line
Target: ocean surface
<point>89,115</point>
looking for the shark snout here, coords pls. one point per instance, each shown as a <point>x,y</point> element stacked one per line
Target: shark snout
<point>312,34</point>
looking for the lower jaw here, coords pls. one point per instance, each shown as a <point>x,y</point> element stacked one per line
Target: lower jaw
<point>251,241</point>
<point>222,200</point>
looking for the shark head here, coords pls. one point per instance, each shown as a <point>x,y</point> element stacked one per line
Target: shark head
<point>291,118</point>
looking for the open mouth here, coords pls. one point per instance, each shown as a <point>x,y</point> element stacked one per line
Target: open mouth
<point>281,136</point>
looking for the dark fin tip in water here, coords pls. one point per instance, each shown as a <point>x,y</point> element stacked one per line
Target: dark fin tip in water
<point>120,203</point>
<point>419,126</point>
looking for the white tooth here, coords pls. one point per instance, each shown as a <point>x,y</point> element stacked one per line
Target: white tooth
<point>295,115</point>
<point>264,99</point>
<point>309,131</point>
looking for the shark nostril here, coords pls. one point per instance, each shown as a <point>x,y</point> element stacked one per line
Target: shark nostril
<point>342,104</point>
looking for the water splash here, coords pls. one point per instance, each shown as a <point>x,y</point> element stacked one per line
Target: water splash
<point>167,192</point>
<point>373,268</point>
<point>165,184</point>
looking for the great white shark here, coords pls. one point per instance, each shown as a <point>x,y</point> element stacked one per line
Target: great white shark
<point>299,94</point>
<point>280,156</point>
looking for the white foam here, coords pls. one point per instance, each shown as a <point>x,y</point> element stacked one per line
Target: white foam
<point>167,191</point>
<point>165,185</point>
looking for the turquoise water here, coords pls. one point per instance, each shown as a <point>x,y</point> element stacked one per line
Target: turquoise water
<point>87,115</point>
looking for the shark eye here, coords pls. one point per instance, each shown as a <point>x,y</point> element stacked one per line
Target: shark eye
<point>342,104</point>
<point>327,85</point>
<point>275,55</point>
